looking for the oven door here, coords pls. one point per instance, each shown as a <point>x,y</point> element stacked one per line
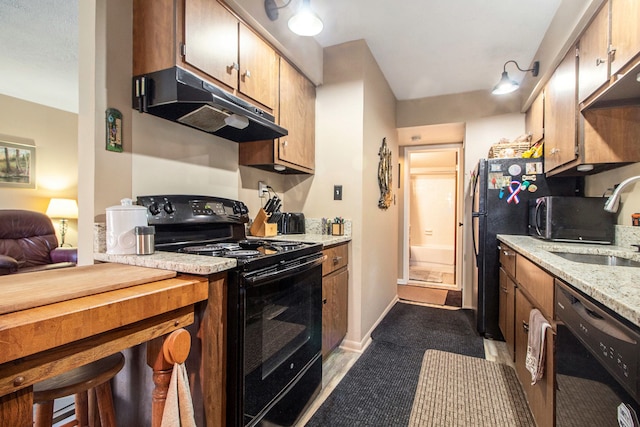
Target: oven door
<point>281,339</point>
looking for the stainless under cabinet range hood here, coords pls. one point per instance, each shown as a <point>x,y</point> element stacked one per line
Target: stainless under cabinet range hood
<point>180,96</point>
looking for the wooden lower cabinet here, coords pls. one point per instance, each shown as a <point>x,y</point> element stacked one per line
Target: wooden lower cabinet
<point>335,297</point>
<point>541,395</point>
<point>507,308</point>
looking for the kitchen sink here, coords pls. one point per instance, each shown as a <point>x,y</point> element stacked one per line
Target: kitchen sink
<point>598,259</point>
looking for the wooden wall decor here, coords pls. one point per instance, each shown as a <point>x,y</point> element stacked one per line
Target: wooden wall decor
<point>384,175</point>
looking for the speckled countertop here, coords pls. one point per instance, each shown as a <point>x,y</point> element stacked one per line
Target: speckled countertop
<point>617,288</point>
<point>204,265</point>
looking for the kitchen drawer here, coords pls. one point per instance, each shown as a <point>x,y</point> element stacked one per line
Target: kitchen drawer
<point>536,283</point>
<point>337,257</point>
<point>507,259</point>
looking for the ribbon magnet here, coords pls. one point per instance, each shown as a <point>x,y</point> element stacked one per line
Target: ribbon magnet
<point>514,189</point>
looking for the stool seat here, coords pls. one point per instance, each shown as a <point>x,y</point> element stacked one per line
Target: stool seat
<point>78,381</point>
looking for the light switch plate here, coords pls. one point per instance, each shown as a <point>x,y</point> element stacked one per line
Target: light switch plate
<point>337,192</point>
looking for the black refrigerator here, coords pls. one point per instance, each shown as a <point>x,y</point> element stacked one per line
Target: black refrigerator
<point>502,189</point>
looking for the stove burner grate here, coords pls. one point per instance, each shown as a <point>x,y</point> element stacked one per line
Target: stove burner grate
<point>247,253</point>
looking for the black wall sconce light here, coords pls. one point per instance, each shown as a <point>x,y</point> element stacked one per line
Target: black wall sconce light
<point>506,85</point>
<point>304,23</point>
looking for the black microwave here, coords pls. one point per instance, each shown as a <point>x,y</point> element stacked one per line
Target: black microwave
<point>571,219</point>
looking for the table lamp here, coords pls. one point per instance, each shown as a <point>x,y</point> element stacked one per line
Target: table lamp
<point>62,209</point>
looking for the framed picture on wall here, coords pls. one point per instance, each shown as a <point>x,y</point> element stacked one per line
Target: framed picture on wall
<point>17,165</point>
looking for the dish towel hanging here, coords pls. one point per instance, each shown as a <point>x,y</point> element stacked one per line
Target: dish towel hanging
<point>536,345</point>
<point>178,408</point>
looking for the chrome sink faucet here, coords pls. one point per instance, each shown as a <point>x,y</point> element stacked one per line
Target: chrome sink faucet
<point>613,202</point>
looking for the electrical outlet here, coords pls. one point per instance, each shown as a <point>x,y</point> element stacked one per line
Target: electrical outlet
<point>263,191</point>
<point>337,192</point>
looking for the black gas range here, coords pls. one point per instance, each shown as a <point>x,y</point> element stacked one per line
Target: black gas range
<point>274,305</point>
<point>214,226</point>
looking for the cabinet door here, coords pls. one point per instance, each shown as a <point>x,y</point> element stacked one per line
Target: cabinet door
<point>507,306</point>
<point>541,395</point>
<point>211,39</point>
<point>625,32</point>
<point>334,309</point>
<point>297,115</point>
<point>560,106</point>
<point>534,119</point>
<point>594,44</point>
<point>258,68</point>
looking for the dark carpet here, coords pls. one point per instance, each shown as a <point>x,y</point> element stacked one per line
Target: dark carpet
<point>380,387</point>
<point>454,299</point>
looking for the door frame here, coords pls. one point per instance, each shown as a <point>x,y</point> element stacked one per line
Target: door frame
<point>458,148</point>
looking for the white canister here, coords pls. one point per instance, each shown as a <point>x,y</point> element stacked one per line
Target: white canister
<point>121,223</point>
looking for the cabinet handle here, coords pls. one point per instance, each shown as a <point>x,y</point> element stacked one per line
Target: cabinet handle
<point>233,66</point>
<point>247,74</point>
<point>600,61</point>
<point>285,143</point>
<point>336,260</point>
<point>507,253</point>
<point>554,151</point>
<point>505,290</point>
<point>324,301</point>
<point>525,326</point>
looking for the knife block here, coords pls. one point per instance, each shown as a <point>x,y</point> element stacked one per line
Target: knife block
<point>261,228</point>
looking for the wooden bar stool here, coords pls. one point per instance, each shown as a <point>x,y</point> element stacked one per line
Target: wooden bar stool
<point>87,383</point>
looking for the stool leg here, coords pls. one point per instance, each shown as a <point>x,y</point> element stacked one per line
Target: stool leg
<point>105,404</point>
<point>94,414</point>
<point>82,408</point>
<point>44,414</point>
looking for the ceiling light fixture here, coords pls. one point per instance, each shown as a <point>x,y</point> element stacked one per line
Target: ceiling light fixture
<point>506,85</point>
<point>304,23</point>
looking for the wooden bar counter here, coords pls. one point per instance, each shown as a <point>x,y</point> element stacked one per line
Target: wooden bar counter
<point>53,321</point>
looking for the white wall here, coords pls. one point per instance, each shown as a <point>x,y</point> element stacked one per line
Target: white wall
<point>55,136</point>
<point>355,109</point>
<point>599,184</point>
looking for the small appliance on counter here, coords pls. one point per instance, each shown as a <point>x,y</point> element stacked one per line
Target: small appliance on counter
<point>291,223</point>
<point>571,219</point>
<point>121,223</point>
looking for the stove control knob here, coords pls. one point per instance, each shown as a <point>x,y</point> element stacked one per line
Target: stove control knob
<point>240,208</point>
<point>154,209</point>
<point>168,208</point>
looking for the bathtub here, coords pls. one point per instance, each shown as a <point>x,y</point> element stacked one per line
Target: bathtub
<point>432,254</point>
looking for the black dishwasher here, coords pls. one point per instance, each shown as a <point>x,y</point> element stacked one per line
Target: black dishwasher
<point>597,355</point>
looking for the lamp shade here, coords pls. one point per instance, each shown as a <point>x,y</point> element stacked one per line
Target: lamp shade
<point>505,85</point>
<point>305,22</point>
<point>62,208</point>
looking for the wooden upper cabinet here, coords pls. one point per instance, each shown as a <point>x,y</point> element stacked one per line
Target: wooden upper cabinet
<point>593,70</point>
<point>625,32</point>
<point>211,40</point>
<point>258,68</point>
<point>204,37</point>
<point>560,114</point>
<point>534,119</point>
<point>297,115</point>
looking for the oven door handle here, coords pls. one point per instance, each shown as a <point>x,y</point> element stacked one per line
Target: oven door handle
<point>285,272</point>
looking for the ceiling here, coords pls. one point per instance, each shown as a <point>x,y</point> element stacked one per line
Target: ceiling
<point>424,48</point>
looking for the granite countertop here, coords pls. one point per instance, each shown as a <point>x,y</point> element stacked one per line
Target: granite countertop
<point>204,265</point>
<point>616,287</point>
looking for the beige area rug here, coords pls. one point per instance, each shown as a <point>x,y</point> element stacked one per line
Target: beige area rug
<point>592,403</point>
<point>457,390</point>
<point>420,294</point>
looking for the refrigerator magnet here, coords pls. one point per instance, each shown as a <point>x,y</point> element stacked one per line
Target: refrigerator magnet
<point>515,170</point>
<point>533,168</point>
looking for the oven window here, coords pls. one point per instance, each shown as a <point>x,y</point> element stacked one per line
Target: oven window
<point>282,334</point>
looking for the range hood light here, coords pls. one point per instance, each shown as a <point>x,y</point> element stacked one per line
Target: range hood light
<point>236,121</point>
<point>585,168</point>
<point>279,168</point>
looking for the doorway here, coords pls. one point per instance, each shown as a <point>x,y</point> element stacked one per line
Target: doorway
<point>432,216</point>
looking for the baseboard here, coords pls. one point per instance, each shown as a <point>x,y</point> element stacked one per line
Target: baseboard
<point>360,346</point>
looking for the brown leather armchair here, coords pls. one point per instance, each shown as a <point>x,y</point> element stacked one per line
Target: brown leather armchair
<point>28,242</point>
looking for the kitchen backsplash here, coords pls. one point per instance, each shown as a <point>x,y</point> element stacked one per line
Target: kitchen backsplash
<point>314,226</point>
<point>627,235</point>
